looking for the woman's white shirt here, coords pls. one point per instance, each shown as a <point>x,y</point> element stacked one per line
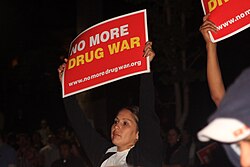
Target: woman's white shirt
<point>118,159</point>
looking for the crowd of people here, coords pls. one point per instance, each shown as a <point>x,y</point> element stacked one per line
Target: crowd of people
<point>49,148</point>
<point>41,148</point>
<point>136,138</point>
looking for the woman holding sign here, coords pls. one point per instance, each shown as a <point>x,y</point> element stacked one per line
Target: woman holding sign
<point>135,136</point>
<point>214,77</point>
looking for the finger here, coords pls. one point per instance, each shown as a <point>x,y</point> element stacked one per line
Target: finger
<point>147,46</point>
<point>61,68</point>
<point>148,43</point>
<point>208,22</point>
<point>147,49</point>
<point>206,17</point>
<point>206,28</point>
<point>209,25</point>
<point>148,52</point>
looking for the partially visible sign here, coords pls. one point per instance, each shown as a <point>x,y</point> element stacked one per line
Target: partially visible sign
<point>205,154</point>
<point>106,52</point>
<point>230,16</point>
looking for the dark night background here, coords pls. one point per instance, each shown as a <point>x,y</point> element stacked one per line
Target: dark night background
<point>35,36</point>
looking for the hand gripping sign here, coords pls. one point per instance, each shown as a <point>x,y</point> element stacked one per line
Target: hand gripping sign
<point>106,52</point>
<point>230,16</point>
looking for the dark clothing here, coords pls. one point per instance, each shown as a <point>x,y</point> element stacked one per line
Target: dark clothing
<point>169,151</point>
<point>148,150</point>
<point>177,154</point>
<point>70,162</point>
<point>180,156</point>
<point>7,155</point>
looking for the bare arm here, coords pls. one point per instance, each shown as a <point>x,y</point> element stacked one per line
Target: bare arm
<point>214,77</point>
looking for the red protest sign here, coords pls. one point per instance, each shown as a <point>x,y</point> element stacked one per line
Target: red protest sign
<point>106,52</point>
<point>230,16</point>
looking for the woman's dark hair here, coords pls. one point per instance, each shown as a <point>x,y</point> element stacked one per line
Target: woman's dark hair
<point>135,111</point>
<point>176,129</point>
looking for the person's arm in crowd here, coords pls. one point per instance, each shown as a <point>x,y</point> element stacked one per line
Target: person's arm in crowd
<point>214,77</point>
<point>92,142</point>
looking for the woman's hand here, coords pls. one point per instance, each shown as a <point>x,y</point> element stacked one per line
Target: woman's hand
<point>148,51</point>
<point>207,26</point>
<point>61,69</point>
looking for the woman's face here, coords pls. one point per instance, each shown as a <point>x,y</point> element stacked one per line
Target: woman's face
<point>172,137</point>
<point>124,131</point>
